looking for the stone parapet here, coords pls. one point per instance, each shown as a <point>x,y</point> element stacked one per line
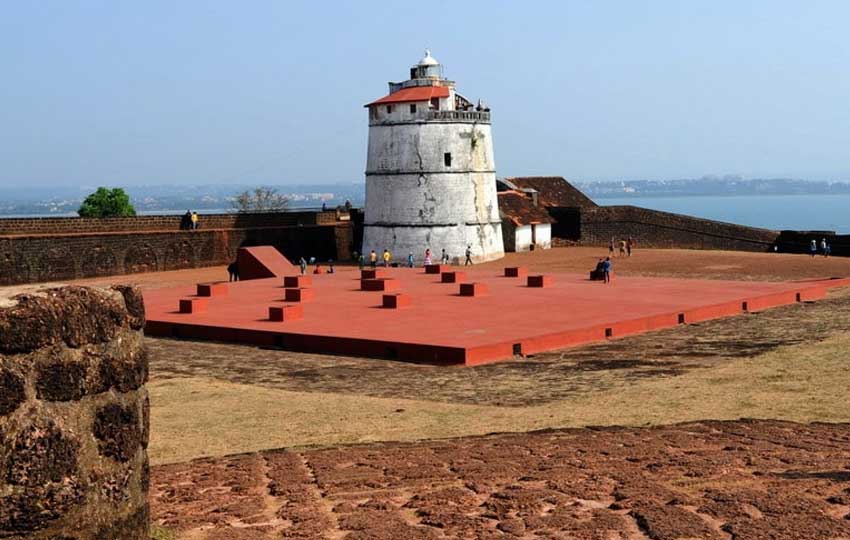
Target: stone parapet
<point>74,415</point>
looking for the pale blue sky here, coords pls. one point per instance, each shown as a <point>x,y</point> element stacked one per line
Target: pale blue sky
<point>124,93</point>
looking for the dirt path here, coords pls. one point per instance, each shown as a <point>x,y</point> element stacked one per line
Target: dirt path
<point>747,480</point>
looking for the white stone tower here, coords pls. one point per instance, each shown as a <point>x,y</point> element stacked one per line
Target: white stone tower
<point>430,175</point>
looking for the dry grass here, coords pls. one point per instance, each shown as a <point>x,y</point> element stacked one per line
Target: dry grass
<point>193,417</point>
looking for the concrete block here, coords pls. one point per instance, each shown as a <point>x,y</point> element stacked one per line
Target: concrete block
<point>377,273</point>
<point>380,284</point>
<point>453,277</point>
<point>397,301</point>
<point>212,289</point>
<point>474,289</point>
<point>289,312</point>
<point>299,295</point>
<point>516,271</point>
<point>297,282</point>
<point>193,305</point>
<point>436,268</point>
<point>540,281</point>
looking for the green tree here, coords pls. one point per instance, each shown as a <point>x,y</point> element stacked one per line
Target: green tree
<point>107,202</point>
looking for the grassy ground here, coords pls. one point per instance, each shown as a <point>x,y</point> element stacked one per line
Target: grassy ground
<point>202,417</point>
<point>789,363</point>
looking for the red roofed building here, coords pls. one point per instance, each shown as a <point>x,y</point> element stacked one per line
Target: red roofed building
<point>525,225</point>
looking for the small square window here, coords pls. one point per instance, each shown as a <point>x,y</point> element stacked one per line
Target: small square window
<point>389,109</point>
<point>447,159</point>
<point>413,108</point>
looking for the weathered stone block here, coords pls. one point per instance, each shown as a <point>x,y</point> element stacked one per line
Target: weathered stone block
<point>299,295</point>
<point>118,431</point>
<point>286,313</point>
<point>397,301</point>
<point>540,281</point>
<point>12,392</point>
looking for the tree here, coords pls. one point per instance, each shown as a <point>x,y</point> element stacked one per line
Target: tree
<point>107,202</point>
<point>260,199</point>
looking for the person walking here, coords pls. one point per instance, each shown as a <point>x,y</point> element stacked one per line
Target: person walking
<point>824,247</point>
<point>387,258</point>
<point>195,221</point>
<point>444,258</point>
<point>630,243</point>
<point>410,260</point>
<point>361,261</point>
<point>622,248</point>
<point>233,271</point>
<point>302,263</point>
<point>427,261</point>
<point>813,247</point>
<point>373,259</point>
<point>468,260</point>
<point>611,247</point>
<point>606,270</point>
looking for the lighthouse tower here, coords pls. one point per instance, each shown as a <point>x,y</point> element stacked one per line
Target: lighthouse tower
<point>430,175</point>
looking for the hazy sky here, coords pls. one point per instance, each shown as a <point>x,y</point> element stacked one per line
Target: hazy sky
<point>134,92</point>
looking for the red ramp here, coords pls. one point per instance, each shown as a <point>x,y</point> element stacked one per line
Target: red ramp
<point>262,262</point>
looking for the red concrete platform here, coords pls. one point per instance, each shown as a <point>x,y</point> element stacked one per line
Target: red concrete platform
<point>212,289</point>
<point>297,282</point>
<point>453,277</point>
<point>397,301</point>
<point>444,327</point>
<point>473,289</point>
<point>288,312</point>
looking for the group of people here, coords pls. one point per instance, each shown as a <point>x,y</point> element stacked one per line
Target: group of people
<point>825,248</point>
<point>386,258</point>
<point>302,264</point>
<point>189,222</point>
<point>626,246</point>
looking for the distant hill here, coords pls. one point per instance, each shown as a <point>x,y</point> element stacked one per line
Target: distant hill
<point>154,199</point>
<point>712,186</point>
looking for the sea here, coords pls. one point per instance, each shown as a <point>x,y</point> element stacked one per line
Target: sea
<point>777,212</point>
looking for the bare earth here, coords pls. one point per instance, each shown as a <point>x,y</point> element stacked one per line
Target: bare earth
<point>745,480</point>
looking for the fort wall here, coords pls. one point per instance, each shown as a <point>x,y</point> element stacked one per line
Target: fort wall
<point>56,249</point>
<point>74,415</point>
<point>656,229</point>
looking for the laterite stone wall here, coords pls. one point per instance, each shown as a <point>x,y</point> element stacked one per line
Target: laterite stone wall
<point>656,229</point>
<point>73,415</point>
<point>37,250</point>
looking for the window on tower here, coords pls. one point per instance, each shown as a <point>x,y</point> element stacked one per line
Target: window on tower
<point>447,159</point>
<point>413,108</point>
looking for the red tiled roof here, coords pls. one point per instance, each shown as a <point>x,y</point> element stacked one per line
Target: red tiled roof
<point>553,191</point>
<point>414,93</point>
<point>518,208</point>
